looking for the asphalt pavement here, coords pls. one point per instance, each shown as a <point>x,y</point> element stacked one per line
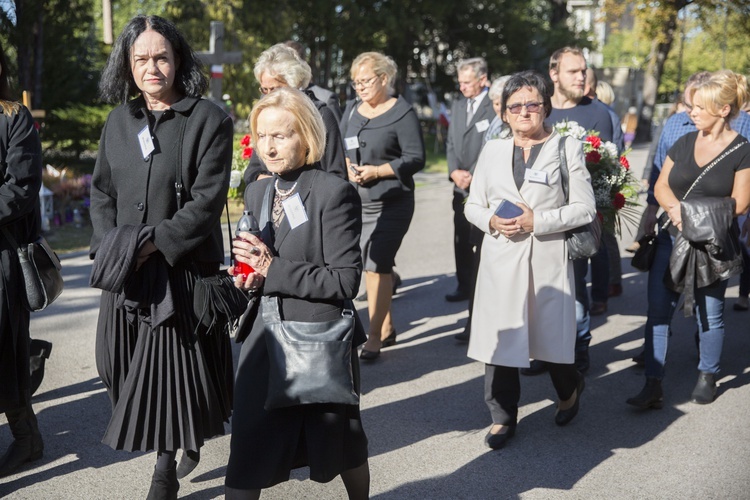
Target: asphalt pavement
<point>423,407</point>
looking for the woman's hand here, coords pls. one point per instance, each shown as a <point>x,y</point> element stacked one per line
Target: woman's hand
<point>146,250</point>
<point>354,172</point>
<point>509,228</point>
<point>367,174</point>
<point>253,281</point>
<point>251,250</point>
<point>675,215</point>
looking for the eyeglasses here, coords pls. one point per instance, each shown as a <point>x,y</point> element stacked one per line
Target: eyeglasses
<point>268,90</point>
<point>365,84</point>
<point>531,107</point>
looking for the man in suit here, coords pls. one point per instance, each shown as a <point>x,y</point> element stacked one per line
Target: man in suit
<point>567,70</point>
<point>470,118</point>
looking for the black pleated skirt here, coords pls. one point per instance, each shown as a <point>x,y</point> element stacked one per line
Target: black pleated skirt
<point>170,387</point>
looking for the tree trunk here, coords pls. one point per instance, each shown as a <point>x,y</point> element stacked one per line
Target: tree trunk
<point>657,58</point>
<point>36,98</point>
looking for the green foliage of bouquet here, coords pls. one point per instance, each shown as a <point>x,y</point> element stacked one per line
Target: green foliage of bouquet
<point>615,187</point>
<point>240,158</point>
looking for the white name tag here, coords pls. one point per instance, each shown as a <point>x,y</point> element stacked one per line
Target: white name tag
<point>294,210</point>
<point>535,176</point>
<point>351,142</point>
<point>144,139</point>
<point>482,126</point>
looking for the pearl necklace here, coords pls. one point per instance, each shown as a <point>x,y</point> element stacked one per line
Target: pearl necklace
<point>284,192</point>
<point>529,147</point>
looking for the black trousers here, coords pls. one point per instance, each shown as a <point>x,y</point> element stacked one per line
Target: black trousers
<point>502,389</point>
<point>466,239</point>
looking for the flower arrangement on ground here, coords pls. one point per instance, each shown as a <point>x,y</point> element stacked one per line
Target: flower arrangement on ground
<point>615,187</point>
<point>240,157</point>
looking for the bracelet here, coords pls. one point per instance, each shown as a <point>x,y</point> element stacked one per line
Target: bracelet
<point>377,172</point>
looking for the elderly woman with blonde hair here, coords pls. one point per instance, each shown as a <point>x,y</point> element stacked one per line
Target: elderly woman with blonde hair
<point>384,149</point>
<point>308,259</point>
<point>280,66</point>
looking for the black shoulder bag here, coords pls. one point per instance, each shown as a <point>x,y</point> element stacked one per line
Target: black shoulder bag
<point>583,242</point>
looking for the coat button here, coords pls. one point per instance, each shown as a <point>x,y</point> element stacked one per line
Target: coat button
<point>147,158</point>
<point>362,144</point>
<point>139,206</point>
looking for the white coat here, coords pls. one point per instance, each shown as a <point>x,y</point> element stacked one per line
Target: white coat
<point>524,302</point>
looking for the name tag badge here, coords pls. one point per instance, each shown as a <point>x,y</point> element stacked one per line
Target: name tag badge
<point>538,176</point>
<point>482,126</point>
<point>147,144</point>
<point>351,142</point>
<point>294,210</point>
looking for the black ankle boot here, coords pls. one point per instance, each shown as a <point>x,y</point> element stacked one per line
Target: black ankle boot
<point>705,390</point>
<point>27,445</point>
<point>164,484</point>
<point>188,463</point>
<point>39,353</point>
<point>650,397</point>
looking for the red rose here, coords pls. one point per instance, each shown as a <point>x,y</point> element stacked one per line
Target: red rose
<point>593,157</point>
<point>594,141</point>
<point>247,153</point>
<point>618,201</point>
<point>625,163</point>
<point>245,141</point>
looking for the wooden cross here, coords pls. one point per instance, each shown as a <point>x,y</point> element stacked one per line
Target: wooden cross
<point>37,114</point>
<point>216,57</point>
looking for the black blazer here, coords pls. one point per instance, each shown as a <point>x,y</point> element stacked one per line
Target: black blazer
<point>465,142</point>
<point>394,137</point>
<point>330,99</point>
<point>126,189</point>
<point>317,265</point>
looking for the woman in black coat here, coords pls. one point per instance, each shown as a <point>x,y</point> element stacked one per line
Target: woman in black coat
<point>384,149</point>
<point>309,259</point>
<point>21,163</point>
<point>170,381</point>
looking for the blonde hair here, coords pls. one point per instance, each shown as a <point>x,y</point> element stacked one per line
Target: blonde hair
<point>10,107</point>
<point>283,63</point>
<point>496,89</point>
<point>380,64</point>
<point>605,93</point>
<point>307,120</point>
<point>724,88</point>
<point>554,59</point>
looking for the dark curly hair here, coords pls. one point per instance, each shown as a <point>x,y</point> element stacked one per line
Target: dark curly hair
<point>117,84</point>
<point>532,79</point>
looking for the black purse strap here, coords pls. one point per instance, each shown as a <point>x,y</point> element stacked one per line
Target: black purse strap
<point>564,167</point>
<point>179,187</point>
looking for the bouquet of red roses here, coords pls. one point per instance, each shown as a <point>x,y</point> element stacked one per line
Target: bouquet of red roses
<point>615,187</point>
<point>240,157</point>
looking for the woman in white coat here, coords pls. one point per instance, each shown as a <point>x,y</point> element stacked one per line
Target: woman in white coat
<point>524,300</point>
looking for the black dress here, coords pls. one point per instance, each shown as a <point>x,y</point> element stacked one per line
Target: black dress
<point>170,386</point>
<point>21,165</point>
<point>315,271</point>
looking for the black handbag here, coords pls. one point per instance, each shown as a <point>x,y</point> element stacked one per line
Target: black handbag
<point>308,362</point>
<point>40,266</point>
<point>217,303</point>
<point>583,242</point>
<point>643,258</point>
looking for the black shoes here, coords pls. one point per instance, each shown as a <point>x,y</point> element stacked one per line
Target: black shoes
<point>497,441</point>
<point>366,355</point>
<point>582,361</point>
<point>164,484</point>
<point>537,368</point>
<point>457,296</point>
<point>465,335</point>
<point>188,463</point>
<point>39,351</point>
<point>651,396</point>
<point>390,339</point>
<point>705,390</point>
<point>563,417</point>
<point>27,445</point>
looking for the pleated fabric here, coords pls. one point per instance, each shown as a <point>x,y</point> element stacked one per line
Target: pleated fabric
<point>170,387</point>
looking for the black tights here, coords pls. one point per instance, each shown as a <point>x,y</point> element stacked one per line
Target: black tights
<point>165,460</point>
